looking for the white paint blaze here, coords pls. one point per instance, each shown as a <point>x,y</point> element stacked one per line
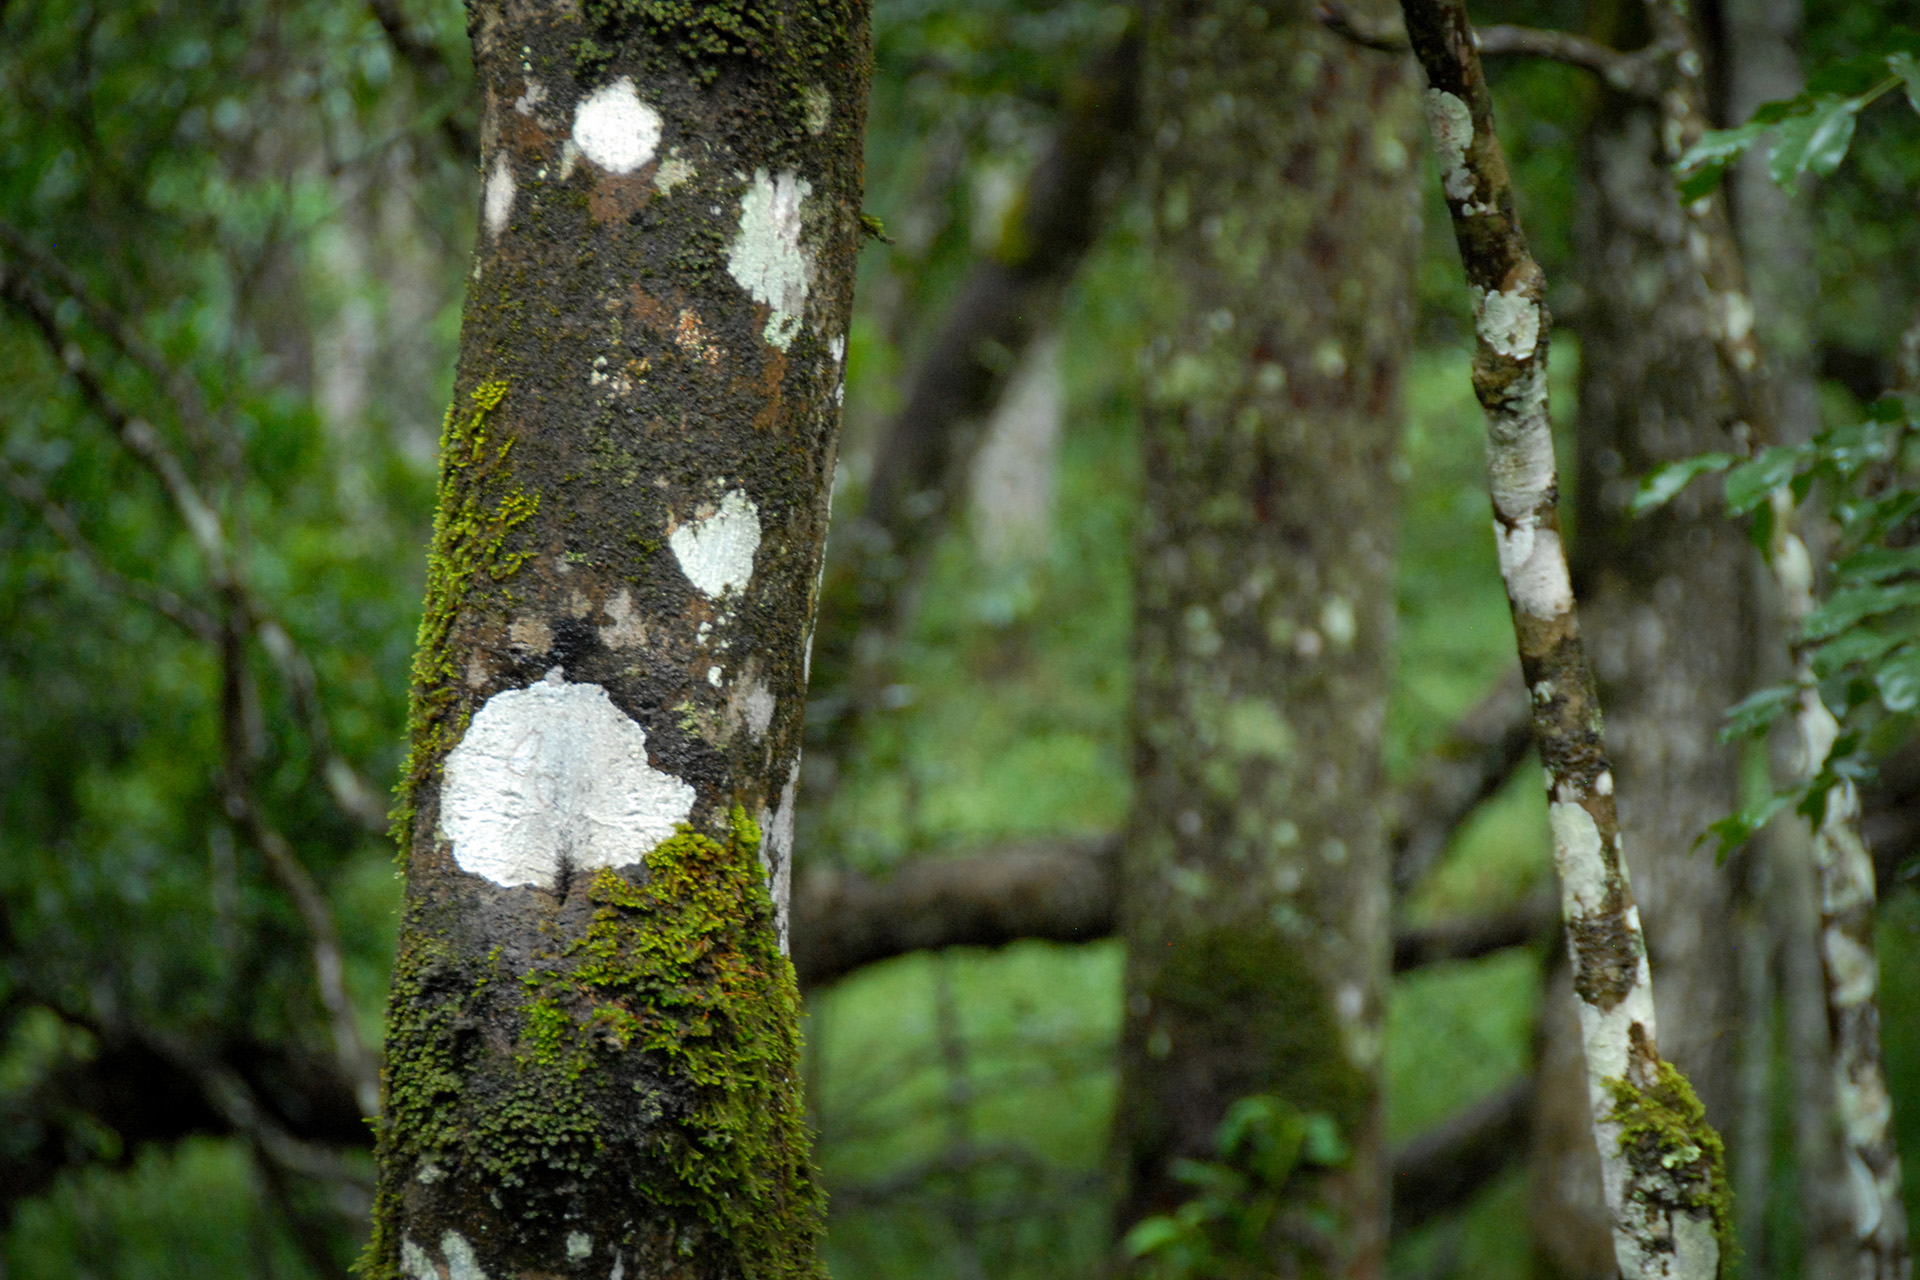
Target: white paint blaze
<point>716,553</point>
<point>497,202</point>
<point>555,774</point>
<point>616,130</point>
<point>766,259</point>
<point>1452,125</point>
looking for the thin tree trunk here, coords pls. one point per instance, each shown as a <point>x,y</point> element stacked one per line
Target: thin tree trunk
<point>592,1041</point>
<point>1661,1163</point>
<point>1255,880</point>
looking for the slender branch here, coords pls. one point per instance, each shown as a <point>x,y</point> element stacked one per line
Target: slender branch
<point>1661,1164</point>
<point>1632,73</point>
<point>1843,865</point>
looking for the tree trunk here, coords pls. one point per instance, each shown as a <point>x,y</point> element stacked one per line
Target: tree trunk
<point>592,1041</point>
<point>1665,603</point>
<point>1255,883</point>
<point>1661,1164</point>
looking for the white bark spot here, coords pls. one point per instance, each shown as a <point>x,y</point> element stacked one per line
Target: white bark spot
<point>579,1245</point>
<point>758,706</point>
<point>1350,1002</point>
<point>837,347</point>
<point>672,172</point>
<point>1336,621</point>
<point>776,852</point>
<point>497,203</point>
<point>534,94</point>
<point>716,552</point>
<point>1452,125</point>
<point>1737,315</point>
<point>619,1267</point>
<point>765,258</point>
<point>1509,321</point>
<point>819,109</point>
<point>713,676</point>
<point>461,1262</point>
<point>616,130</point>
<point>1520,454</point>
<point>414,1262</point>
<point>1603,785</point>
<point>1534,568</point>
<point>552,775</point>
<point>1854,970</point>
<point>1576,853</point>
<point>569,158</point>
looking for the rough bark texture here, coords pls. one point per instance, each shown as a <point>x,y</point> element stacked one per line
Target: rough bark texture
<point>592,1042</point>
<point>1661,1165</point>
<point>1665,607</point>
<point>1255,898</point>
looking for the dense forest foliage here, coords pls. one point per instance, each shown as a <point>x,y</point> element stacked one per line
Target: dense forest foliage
<point>234,242</point>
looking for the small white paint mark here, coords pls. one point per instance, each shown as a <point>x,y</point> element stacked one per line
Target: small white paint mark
<point>1452,125</point>
<point>819,109</point>
<point>716,552</point>
<point>766,259</point>
<point>498,200</point>
<point>552,774</point>
<point>1509,321</point>
<point>713,676</point>
<point>414,1262</point>
<point>461,1262</point>
<point>579,1245</point>
<point>616,130</point>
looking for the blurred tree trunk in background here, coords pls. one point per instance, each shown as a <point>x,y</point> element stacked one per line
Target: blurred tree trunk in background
<point>1668,609</point>
<point>1255,899</point>
<point>592,1043</point>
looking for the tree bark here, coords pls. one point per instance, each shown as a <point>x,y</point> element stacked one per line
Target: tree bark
<point>592,1041</point>
<point>1255,884</point>
<point>1661,1165</point>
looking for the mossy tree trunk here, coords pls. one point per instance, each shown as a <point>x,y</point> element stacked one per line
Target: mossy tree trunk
<point>592,1042</point>
<point>1666,603</point>
<point>1255,898</point>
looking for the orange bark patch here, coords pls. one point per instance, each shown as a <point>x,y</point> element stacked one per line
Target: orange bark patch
<point>616,198</point>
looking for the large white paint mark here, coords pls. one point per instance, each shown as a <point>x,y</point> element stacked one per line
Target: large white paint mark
<point>1509,321</point>
<point>1535,569</point>
<point>716,552</point>
<point>461,1262</point>
<point>765,258</point>
<point>1452,125</point>
<point>414,1262</point>
<point>616,130</point>
<point>555,774</point>
<point>498,200</point>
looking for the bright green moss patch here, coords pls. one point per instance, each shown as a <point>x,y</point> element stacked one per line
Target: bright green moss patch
<point>1664,1133</point>
<point>469,552</point>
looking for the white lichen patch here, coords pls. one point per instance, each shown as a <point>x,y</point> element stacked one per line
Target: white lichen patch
<point>1509,321</point>
<point>672,172</point>
<point>532,96</point>
<point>716,551</point>
<point>1452,125</point>
<point>757,705</point>
<point>818,104</point>
<point>1577,857</point>
<point>415,1264</point>
<point>624,630</point>
<point>1534,567</point>
<point>569,158</point>
<point>461,1262</point>
<point>579,1245</point>
<point>553,776</point>
<point>766,259</point>
<point>497,201</point>
<point>616,130</point>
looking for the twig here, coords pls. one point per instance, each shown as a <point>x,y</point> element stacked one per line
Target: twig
<point>1661,1188</point>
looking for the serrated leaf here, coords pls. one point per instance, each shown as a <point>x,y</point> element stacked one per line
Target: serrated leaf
<point>1752,714</point>
<point>1852,605</point>
<point>1898,681</point>
<point>1752,481</point>
<point>1668,479</point>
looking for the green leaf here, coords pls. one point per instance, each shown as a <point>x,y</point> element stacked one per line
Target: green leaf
<point>1151,1235</point>
<point>1323,1146</point>
<point>1703,181</point>
<point>1907,68</point>
<point>1752,715</point>
<point>1722,146</point>
<point>1736,829</point>
<point>1861,645</point>
<point>1898,681</point>
<point>1817,140</point>
<point>1876,564</point>
<point>1752,481</point>
<point>1669,478</point>
<point>1852,605</point>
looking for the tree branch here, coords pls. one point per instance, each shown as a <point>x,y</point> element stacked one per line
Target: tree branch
<point>1469,766</point>
<point>1441,1169</point>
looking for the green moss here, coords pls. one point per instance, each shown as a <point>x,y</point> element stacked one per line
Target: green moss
<point>1664,1132</point>
<point>672,1019</point>
<point>471,524</point>
<point>701,34</point>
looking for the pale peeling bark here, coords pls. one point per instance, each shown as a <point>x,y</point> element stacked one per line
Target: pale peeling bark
<point>1843,867</point>
<point>592,1043</point>
<point>1255,876</point>
<point>1660,1162</point>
